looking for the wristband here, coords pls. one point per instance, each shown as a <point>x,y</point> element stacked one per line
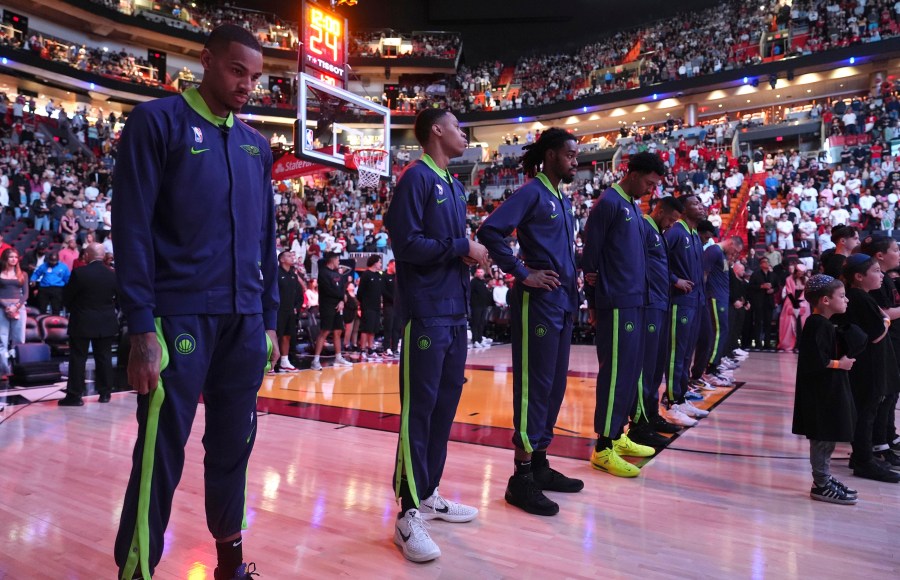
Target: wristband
<point>834,364</point>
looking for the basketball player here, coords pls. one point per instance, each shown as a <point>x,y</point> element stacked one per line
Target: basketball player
<point>427,224</point>
<point>685,263</point>
<point>614,251</point>
<point>542,307</point>
<point>646,421</point>
<point>194,223</point>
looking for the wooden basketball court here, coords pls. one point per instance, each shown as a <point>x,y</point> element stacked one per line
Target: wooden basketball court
<point>728,498</point>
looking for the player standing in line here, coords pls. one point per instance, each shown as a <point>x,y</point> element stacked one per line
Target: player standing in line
<point>614,251</point>
<point>194,223</point>
<point>427,224</point>
<point>685,263</point>
<point>542,306</point>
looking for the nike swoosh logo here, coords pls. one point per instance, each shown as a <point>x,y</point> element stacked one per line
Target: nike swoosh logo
<point>405,536</point>
<point>628,219</point>
<point>196,151</point>
<point>657,245</point>
<point>444,510</point>
<point>237,543</point>
<point>553,216</point>
<point>439,202</point>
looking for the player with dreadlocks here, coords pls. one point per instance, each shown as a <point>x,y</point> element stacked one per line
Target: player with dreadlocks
<point>542,303</point>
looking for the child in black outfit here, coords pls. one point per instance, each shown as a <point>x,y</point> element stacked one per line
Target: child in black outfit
<point>869,377</point>
<point>823,404</point>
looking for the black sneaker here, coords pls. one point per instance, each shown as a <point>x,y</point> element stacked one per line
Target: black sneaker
<point>548,479</point>
<point>832,494</point>
<point>891,460</point>
<point>662,426</point>
<point>644,434</point>
<point>242,572</point>
<point>876,471</point>
<point>895,446</point>
<point>523,492</point>
<point>849,491</point>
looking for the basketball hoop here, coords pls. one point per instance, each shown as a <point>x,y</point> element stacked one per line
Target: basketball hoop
<point>371,164</point>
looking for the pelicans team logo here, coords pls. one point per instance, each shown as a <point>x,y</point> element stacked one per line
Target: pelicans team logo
<point>198,134</point>
<point>185,344</point>
<point>424,343</point>
<point>629,327</point>
<point>651,328</point>
<point>540,331</point>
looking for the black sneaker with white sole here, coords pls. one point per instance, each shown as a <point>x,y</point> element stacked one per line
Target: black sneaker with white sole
<point>832,494</point>
<point>849,491</point>
<point>891,459</point>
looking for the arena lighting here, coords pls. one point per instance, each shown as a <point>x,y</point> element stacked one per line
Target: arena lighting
<point>654,96</point>
<point>852,60</point>
<point>4,60</point>
<point>746,80</point>
<point>584,109</point>
<point>520,119</point>
<point>92,86</point>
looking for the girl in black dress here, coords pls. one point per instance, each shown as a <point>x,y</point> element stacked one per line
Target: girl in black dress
<point>823,404</point>
<point>868,378</point>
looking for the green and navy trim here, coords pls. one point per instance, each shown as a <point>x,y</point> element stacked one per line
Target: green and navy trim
<point>523,404</point>
<point>404,454</point>
<point>195,101</point>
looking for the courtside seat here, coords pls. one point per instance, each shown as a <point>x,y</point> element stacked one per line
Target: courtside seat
<point>55,332</point>
<point>32,332</point>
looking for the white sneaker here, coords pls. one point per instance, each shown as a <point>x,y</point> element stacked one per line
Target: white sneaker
<point>712,381</point>
<point>691,411</point>
<point>487,340</point>
<point>411,534</point>
<point>436,507</point>
<point>316,365</point>
<point>703,385</point>
<point>287,368</point>
<point>726,379</point>
<point>741,352</point>
<point>477,345</point>
<point>340,361</point>
<point>388,354</point>
<point>676,417</point>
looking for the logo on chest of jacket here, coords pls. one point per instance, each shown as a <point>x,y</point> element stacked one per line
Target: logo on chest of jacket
<point>424,342</point>
<point>439,188</point>
<point>198,134</point>
<point>251,149</point>
<point>540,331</point>
<point>185,343</point>
<point>629,327</point>
<point>628,216</point>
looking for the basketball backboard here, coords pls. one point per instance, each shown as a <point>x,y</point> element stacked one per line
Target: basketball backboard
<point>333,123</point>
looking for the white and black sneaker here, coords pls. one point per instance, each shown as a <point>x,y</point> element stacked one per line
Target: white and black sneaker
<point>832,494</point>
<point>411,534</point>
<point>849,491</point>
<point>438,508</point>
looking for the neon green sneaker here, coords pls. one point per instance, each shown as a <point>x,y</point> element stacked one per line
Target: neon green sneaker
<point>626,447</point>
<point>610,462</point>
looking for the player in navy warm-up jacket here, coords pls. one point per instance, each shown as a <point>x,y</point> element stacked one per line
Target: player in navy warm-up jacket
<point>685,263</point>
<point>646,420</point>
<point>194,223</point>
<point>614,253</point>
<point>542,306</point>
<point>427,225</point>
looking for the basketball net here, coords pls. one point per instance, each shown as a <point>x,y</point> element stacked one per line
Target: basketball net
<point>370,163</point>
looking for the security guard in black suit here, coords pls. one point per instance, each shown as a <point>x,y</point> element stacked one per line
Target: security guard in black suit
<point>90,298</point>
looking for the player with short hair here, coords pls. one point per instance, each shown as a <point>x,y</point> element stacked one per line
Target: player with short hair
<point>194,223</point>
<point>614,251</point>
<point>427,225</point>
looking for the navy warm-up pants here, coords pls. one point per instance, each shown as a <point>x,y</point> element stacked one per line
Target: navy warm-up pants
<point>222,357</point>
<point>620,349</point>
<point>541,340</point>
<point>712,338</point>
<point>432,367</point>
<point>656,353</point>
<point>684,328</point>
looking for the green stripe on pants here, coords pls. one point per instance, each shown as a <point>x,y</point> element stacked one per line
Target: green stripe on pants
<point>615,372</point>
<point>715,348</point>
<point>640,412</point>
<point>523,408</point>
<point>404,456</point>
<point>670,380</point>
<point>139,554</point>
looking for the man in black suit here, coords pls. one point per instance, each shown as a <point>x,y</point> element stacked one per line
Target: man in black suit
<point>480,300</point>
<point>763,284</point>
<point>90,297</point>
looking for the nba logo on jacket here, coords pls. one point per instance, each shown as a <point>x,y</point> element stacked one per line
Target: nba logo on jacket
<point>198,134</point>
